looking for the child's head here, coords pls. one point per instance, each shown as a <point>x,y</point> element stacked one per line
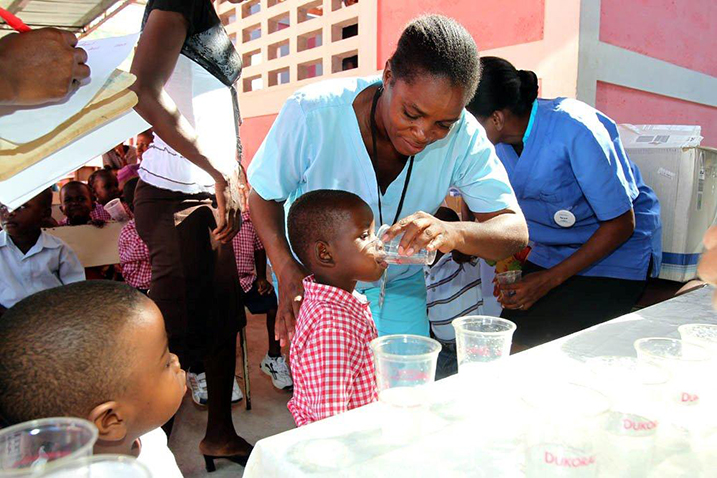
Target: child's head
<point>28,218</point>
<point>144,139</point>
<point>332,233</point>
<point>104,185</point>
<point>76,202</point>
<point>128,192</point>
<point>112,365</point>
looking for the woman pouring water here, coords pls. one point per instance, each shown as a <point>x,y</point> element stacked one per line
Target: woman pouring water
<point>399,142</point>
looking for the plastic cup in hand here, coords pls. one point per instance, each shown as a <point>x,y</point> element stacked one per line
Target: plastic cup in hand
<point>687,363</point>
<point>509,277</point>
<point>481,340</point>
<point>29,448</point>
<point>405,365</point>
<point>388,251</point>
<point>116,210</point>
<point>563,429</point>
<point>636,390</point>
<point>101,466</point>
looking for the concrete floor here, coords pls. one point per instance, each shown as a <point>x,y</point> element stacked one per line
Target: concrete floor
<point>268,415</point>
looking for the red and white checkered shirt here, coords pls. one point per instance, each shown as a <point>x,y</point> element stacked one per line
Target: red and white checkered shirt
<point>245,243</point>
<point>331,362</point>
<point>134,257</point>
<point>98,213</point>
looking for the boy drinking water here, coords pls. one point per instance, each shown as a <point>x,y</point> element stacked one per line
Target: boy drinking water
<point>59,357</point>
<point>332,233</point>
<point>32,260</point>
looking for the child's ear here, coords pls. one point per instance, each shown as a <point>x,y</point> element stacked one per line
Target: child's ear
<point>109,421</point>
<point>323,255</point>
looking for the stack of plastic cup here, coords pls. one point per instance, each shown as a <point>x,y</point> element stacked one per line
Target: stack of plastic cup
<point>509,277</point>
<point>31,448</point>
<point>637,391</point>
<point>405,365</point>
<point>388,251</point>
<point>564,426</point>
<point>100,466</point>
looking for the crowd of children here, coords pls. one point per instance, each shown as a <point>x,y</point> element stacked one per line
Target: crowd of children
<point>123,353</point>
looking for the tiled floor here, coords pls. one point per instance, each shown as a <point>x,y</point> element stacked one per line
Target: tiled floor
<point>267,417</point>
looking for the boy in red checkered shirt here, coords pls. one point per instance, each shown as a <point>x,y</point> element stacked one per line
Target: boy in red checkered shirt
<point>259,297</point>
<point>332,233</point>
<point>133,252</point>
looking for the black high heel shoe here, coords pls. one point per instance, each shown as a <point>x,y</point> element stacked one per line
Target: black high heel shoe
<point>239,459</point>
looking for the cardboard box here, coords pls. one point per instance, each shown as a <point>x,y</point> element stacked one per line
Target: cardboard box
<point>94,246</point>
<point>684,176</point>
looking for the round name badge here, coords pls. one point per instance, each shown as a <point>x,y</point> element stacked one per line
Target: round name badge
<point>564,218</point>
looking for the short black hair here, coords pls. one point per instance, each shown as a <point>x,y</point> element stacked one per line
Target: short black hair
<point>447,214</point>
<point>128,192</point>
<point>316,216</point>
<point>59,357</point>
<point>503,87</point>
<point>77,184</point>
<point>107,173</point>
<point>439,46</point>
<point>46,198</point>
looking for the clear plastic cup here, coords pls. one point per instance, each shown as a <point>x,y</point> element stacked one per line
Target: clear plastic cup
<point>388,251</point>
<point>704,335</point>
<point>687,363</point>
<point>101,466</point>
<point>117,210</point>
<point>481,340</point>
<point>405,365</point>
<point>563,430</point>
<point>636,390</point>
<point>509,277</point>
<point>29,448</point>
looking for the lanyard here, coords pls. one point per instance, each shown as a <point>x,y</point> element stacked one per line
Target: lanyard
<point>374,128</point>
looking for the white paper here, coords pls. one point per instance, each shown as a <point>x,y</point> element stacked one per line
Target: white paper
<point>26,184</point>
<point>24,124</point>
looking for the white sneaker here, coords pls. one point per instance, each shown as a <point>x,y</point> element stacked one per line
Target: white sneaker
<point>278,370</point>
<point>237,396</point>
<point>197,383</point>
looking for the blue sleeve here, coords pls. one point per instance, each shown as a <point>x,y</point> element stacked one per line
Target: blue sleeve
<point>278,167</point>
<point>600,172</point>
<point>479,175</point>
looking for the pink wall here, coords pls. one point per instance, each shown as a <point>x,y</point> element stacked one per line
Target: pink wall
<point>679,32</point>
<point>626,105</point>
<point>253,130</point>
<point>492,23</point>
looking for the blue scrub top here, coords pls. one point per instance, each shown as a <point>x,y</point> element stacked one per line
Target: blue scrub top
<point>315,143</point>
<point>573,160</point>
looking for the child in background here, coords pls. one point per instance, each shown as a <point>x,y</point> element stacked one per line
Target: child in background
<point>112,368</point>
<point>105,187</point>
<point>453,289</point>
<point>32,260</point>
<point>259,297</point>
<point>332,233</point>
<point>133,252</point>
<point>77,206</point>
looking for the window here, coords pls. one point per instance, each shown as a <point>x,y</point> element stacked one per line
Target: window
<point>278,50</point>
<point>251,33</point>
<point>278,22</point>
<point>310,69</point>
<point>310,40</point>
<point>310,11</point>
<point>279,77</point>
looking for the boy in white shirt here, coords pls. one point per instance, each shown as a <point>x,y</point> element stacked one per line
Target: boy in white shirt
<point>453,289</point>
<point>109,365</point>
<point>32,260</point>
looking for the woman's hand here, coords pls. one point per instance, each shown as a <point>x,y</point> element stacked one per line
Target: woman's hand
<point>522,295</point>
<point>291,294</point>
<point>422,231</point>
<point>228,213</point>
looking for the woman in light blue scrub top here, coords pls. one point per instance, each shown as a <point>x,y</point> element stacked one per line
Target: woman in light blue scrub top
<point>594,225</point>
<point>399,142</point>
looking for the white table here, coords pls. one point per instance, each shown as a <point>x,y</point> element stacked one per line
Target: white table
<point>352,444</point>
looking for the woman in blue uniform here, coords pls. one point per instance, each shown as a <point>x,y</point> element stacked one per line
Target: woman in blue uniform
<point>594,225</point>
<point>399,142</point>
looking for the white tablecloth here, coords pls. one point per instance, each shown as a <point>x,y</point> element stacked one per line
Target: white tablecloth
<point>455,443</point>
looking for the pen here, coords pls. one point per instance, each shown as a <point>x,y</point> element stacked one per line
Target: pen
<point>13,21</point>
